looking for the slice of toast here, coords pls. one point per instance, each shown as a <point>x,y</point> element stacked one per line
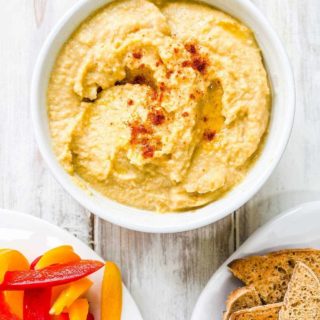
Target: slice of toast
<point>270,274</point>
<point>266,312</point>
<point>302,299</point>
<point>241,298</point>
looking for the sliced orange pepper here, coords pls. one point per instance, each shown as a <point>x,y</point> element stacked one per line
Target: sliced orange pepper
<point>11,260</point>
<point>79,310</point>
<point>69,295</point>
<point>111,305</point>
<point>58,255</point>
<point>14,300</point>
<point>5,312</point>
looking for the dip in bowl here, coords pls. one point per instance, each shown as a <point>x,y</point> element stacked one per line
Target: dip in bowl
<point>162,108</point>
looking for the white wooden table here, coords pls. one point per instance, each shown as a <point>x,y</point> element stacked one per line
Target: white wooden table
<point>165,273</point>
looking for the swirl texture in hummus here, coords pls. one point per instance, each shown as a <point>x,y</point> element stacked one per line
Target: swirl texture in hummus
<point>159,106</point>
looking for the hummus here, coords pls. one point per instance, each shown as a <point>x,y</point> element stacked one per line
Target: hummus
<point>159,106</point>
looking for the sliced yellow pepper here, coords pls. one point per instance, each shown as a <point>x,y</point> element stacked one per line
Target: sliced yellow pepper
<point>111,305</point>
<point>69,295</point>
<point>13,260</point>
<point>56,291</point>
<point>58,255</point>
<point>79,310</point>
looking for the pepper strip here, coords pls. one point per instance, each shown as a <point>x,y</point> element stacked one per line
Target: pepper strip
<point>70,295</point>
<point>111,305</point>
<point>79,310</point>
<point>51,276</point>
<point>36,304</point>
<point>34,262</point>
<point>14,300</point>
<point>13,260</point>
<point>58,255</point>
<point>5,313</point>
<point>62,316</point>
<point>65,316</point>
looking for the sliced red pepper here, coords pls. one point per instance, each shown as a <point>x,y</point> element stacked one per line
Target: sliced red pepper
<point>90,316</point>
<point>51,276</point>
<point>36,304</point>
<point>34,262</point>
<point>5,313</point>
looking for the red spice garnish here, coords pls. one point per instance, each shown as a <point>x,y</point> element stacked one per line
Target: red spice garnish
<point>209,135</point>
<point>130,102</point>
<point>186,64</point>
<point>160,96</point>
<point>141,136</point>
<point>162,86</point>
<point>148,151</point>
<point>154,95</point>
<point>158,63</point>
<point>156,117</point>
<point>169,73</point>
<point>176,50</point>
<point>199,64</point>
<point>138,129</point>
<point>144,141</point>
<point>185,114</point>
<point>191,48</point>
<point>205,119</point>
<point>192,96</point>
<point>141,129</point>
<point>137,55</point>
<point>139,79</point>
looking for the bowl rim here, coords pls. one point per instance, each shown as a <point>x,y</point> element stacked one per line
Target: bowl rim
<point>160,222</point>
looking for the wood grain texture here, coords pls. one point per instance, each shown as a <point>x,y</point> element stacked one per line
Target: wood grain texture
<point>26,184</point>
<point>165,273</point>
<point>296,179</point>
<point>39,10</point>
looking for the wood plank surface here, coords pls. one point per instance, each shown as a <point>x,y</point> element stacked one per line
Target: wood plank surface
<point>296,179</point>
<point>165,273</point>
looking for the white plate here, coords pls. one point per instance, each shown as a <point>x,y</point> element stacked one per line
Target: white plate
<point>33,236</point>
<point>296,228</point>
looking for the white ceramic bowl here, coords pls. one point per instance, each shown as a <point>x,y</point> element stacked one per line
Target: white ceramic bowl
<point>281,79</point>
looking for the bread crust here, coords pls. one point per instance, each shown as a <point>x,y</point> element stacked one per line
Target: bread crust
<point>271,273</point>
<point>266,312</point>
<point>241,298</point>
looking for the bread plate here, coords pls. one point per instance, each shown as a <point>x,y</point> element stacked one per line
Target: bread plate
<point>33,236</point>
<point>295,228</point>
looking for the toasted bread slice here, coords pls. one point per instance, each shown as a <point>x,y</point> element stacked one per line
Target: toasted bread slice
<point>241,298</point>
<point>267,312</point>
<point>302,299</point>
<point>270,274</point>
